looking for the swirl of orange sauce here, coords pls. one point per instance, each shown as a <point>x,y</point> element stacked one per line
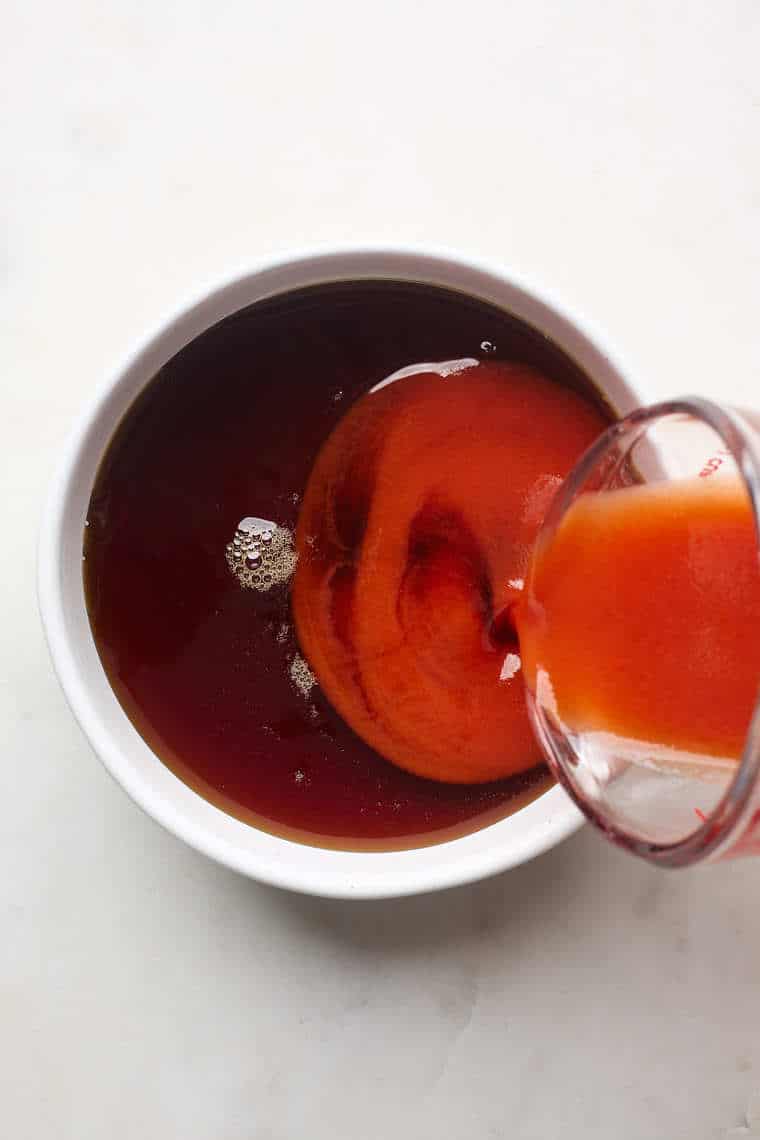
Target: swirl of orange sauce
<point>413,541</point>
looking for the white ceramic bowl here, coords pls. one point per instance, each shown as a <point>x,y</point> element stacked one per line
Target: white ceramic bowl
<point>125,754</point>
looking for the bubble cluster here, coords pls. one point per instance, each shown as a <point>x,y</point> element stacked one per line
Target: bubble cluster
<point>261,555</point>
<point>301,675</point>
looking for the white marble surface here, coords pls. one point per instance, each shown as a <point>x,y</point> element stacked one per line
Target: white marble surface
<point>610,149</point>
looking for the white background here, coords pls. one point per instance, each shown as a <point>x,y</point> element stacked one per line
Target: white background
<point>609,150</point>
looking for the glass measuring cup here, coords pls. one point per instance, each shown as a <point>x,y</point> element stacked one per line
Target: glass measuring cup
<point>626,712</point>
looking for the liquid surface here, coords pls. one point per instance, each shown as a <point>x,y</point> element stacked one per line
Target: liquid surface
<point>642,617</point>
<point>210,671</point>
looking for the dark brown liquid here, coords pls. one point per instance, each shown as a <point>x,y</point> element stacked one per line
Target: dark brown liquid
<point>230,428</point>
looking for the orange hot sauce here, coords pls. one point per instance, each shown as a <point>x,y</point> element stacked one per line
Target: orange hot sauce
<point>643,614</point>
<point>413,540</point>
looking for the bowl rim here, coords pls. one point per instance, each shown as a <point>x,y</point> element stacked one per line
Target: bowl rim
<point>323,872</point>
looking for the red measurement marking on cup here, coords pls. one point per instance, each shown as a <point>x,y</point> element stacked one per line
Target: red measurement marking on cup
<point>714,462</point>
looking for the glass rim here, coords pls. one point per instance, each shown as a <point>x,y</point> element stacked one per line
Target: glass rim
<point>717,826</point>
